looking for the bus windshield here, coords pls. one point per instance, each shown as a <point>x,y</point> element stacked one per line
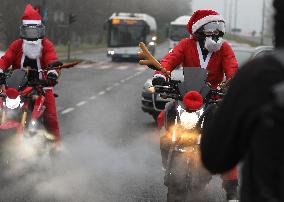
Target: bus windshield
<point>178,32</point>
<point>123,35</point>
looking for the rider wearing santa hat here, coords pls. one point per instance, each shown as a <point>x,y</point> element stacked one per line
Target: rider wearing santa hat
<point>36,51</point>
<point>205,49</point>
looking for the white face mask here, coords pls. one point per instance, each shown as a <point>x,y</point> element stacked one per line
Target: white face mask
<point>213,46</point>
<point>32,49</point>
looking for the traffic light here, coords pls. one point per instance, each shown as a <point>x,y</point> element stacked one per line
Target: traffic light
<point>72,18</point>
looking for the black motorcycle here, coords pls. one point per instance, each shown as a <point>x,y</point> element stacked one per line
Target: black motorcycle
<point>183,124</point>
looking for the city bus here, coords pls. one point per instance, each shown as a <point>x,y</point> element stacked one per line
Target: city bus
<point>178,31</point>
<point>126,30</point>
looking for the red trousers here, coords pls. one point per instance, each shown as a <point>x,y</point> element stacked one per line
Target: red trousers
<point>50,115</point>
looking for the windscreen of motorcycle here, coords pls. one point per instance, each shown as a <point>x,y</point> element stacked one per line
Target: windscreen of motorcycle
<point>17,80</point>
<point>194,80</point>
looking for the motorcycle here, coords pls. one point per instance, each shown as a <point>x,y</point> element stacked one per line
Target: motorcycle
<point>184,118</point>
<point>22,133</point>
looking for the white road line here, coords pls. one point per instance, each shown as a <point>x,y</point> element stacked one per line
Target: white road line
<point>104,67</point>
<point>85,66</point>
<point>109,88</point>
<point>93,97</point>
<point>81,103</point>
<point>141,68</point>
<point>101,93</point>
<point>116,84</point>
<point>101,63</point>
<point>66,111</point>
<point>122,81</point>
<point>123,67</point>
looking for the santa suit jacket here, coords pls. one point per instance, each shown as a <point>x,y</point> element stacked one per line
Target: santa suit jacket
<point>186,53</point>
<point>14,55</point>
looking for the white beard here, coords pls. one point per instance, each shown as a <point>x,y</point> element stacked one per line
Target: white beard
<point>32,49</point>
<point>213,46</point>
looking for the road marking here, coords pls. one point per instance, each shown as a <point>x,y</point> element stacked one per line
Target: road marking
<point>116,84</point>
<point>109,88</point>
<point>101,93</point>
<point>93,97</point>
<point>123,67</point>
<point>81,103</point>
<point>104,67</point>
<point>66,111</point>
<point>122,81</point>
<point>141,68</point>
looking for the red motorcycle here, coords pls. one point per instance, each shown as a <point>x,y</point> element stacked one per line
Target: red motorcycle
<point>21,116</point>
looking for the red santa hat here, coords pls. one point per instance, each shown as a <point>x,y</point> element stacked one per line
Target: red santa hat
<point>31,16</point>
<point>193,100</point>
<point>202,17</point>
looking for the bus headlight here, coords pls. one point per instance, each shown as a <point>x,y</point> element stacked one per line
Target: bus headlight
<point>154,38</point>
<point>152,43</point>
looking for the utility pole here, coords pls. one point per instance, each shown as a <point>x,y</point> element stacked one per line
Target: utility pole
<point>225,9</point>
<point>231,7</point>
<point>71,20</point>
<point>236,14</point>
<point>263,22</point>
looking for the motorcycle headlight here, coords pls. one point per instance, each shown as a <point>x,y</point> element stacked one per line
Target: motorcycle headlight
<point>189,120</point>
<point>13,103</point>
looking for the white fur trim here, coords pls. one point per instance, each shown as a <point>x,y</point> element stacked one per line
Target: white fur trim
<point>203,63</point>
<point>159,75</point>
<point>1,70</point>
<point>205,20</point>
<point>32,22</point>
<point>53,71</point>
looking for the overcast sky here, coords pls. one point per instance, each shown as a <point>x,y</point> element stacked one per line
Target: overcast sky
<point>249,16</point>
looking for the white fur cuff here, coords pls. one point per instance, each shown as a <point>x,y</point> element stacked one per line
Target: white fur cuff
<point>159,75</point>
<point>53,71</point>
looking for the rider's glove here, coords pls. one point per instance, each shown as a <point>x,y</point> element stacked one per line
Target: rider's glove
<point>158,80</point>
<point>2,77</point>
<point>52,77</point>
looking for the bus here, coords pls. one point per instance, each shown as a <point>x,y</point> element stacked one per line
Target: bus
<point>178,30</point>
<point>126,30</point>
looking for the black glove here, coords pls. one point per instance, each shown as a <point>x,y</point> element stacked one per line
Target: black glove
<point>2,78</point>
<point>158,80</point>
<point>55,63</point>
<point>52,78</point>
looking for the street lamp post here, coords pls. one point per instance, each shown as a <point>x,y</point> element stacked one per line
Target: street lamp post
<point>236,14</point>
<point>263,22</point>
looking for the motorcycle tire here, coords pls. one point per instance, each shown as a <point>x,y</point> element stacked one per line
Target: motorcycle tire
<point>177,179</point>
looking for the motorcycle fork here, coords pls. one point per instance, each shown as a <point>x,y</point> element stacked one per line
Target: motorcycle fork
<point>24,119</point>
<point>3,118</point>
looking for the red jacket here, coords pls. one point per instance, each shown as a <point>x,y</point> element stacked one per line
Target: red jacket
<point>220,63</point>
<point>14,54</point>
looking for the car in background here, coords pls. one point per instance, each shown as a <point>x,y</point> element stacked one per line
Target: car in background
<point>153,104</point>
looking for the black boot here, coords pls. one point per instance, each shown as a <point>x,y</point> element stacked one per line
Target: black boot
<point>231,188</point>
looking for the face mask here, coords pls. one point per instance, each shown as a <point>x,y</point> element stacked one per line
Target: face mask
<point>213,46</point>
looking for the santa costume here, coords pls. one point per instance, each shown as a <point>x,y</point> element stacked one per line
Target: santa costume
<point>191,53</point>
<point>38,54</point>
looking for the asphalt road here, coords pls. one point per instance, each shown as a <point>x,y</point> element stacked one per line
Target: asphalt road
<point>110,147</point>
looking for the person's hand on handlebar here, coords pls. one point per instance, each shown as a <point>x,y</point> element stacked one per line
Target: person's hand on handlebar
<point>52,77</point>
<point>158,80</point>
